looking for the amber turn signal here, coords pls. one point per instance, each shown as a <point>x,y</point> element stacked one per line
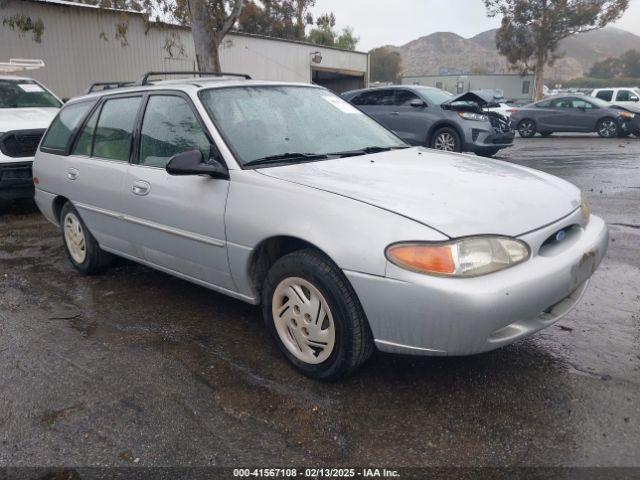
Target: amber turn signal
<point>437,259</point>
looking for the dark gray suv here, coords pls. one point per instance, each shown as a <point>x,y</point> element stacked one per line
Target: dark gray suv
<point>436,118</point>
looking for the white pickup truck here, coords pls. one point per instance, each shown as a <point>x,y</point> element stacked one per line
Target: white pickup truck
<point>26,109</point>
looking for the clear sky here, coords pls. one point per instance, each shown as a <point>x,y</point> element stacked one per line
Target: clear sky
<point>396,22</point>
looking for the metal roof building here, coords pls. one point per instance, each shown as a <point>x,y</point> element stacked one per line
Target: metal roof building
<point>79,48</point>
<point>513,86</point>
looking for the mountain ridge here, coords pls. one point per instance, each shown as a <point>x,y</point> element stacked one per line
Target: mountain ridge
<point>448,52</point>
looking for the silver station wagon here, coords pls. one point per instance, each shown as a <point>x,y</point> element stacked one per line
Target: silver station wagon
<point>285,195</point>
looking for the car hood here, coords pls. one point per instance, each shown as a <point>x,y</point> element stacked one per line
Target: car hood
<point>482,99</point>
<point>26,118</point>
<point>458,195</point>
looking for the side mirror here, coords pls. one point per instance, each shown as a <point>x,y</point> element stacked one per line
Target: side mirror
<point>417,103</point>
<point>635,99</point>
<point>192,163</point>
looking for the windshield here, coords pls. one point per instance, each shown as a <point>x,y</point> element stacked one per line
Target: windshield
<point>599,103</point>
<point>24,94</point>
<point>435,95</point>
<point>268,121</point>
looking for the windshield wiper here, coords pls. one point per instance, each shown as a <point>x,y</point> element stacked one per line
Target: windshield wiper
<point>367,151</point>
<point>286,158</point>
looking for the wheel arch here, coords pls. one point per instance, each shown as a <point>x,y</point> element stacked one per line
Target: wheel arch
<point>58,203</point>
<point>269,251</point>
<point>441,124</point>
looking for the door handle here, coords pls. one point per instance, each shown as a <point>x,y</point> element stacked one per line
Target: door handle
<point>141,188</point>
<point>72,173</point>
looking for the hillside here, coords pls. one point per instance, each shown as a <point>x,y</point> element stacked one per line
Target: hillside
<point>446,52</point>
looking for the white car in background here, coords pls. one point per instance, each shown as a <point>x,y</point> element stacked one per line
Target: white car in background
<point>26,109</point>
<point>623,97</point>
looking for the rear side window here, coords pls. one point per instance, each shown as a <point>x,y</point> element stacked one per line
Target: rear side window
<point>606,95</point>
<point>170,127</point>
<point>85,140</point>
<point>61,129</point>
<point>375,97</point>
<point>114,131</point>
<point>404,98</point>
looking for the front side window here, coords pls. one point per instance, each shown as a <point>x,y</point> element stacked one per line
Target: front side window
<point>626,96</point>
<point>64,124</point>
<point>263,121</point>
<point>114,131</point>
<point>561,103</point>
<point>404,98</point>
<point>25,94</point>
<point>170,127</point>
<point>579,103</point>
<point>606,95</point>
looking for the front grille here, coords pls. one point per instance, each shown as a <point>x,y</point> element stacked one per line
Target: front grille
<point>20,143</point>
<point>499,124</point>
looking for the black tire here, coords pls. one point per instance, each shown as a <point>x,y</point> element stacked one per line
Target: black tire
<point>527,128</point>
<point>95,259</point>
<point>607,128</point>
<point>487,152</point>
<point>353,343</point>
<point>446,136</point>
<point>546,134</point>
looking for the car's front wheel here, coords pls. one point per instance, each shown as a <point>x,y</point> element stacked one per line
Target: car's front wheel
<point>607,128</point>
<point>527,128</point>
<point>82,248</point>
<point>447,140</point>
<point>315,316</point>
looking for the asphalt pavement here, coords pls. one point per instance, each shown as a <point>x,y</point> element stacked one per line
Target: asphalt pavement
<point>134,367</point>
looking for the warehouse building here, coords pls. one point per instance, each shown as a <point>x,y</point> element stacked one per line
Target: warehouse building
<point>78,47</point>
<point>513,86</point>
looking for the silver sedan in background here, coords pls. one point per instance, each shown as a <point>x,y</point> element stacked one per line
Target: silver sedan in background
<point>579,114</point>
<point>287,196</point>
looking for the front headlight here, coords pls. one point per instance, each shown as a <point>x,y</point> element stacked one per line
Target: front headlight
<point>478,117</point>
<point>466,257</point>
<point>585,209</point>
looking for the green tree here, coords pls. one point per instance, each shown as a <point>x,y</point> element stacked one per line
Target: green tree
<point>607,68</point>
<point>325,34</point>
<point>210,21</point>
<point>385,65</point>
<point>532,29</point>
<point>631,63</point>
<point>277,18</point>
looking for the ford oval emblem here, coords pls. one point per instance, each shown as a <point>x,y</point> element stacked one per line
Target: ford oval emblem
<point>561,235</point>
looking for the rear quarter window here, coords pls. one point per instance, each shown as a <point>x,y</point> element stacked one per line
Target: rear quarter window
<point>59,133</point>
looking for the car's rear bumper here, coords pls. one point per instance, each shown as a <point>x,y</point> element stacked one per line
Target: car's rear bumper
<point>16,180</point>
<point>424,315</point>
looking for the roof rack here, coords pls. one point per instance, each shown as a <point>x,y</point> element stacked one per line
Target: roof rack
<point>100,86</point>
<point>20,65</point>
<point>144,80</point>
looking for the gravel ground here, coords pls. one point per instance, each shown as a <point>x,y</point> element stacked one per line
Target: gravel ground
<point>134,367</point>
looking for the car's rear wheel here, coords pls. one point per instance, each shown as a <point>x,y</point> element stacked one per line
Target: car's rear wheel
<point>314,316</point>
<point>447,140</point>
<point>527,128</point>
<point>607,128</point>
<point>83,251</point>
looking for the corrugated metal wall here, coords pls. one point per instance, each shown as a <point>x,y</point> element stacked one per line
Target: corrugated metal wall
<point>513,86</point>
<point>76,55</point>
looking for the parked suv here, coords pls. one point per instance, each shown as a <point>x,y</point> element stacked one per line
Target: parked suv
<point>26,110</point>
<point>435,118</point>
<point>287,196</point>
<point>623,97</point>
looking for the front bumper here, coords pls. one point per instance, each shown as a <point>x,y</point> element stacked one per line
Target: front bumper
<point>478,139</point>
<point>16,180</point>
<point>419,314</point>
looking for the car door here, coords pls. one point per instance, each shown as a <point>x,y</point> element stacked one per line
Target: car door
<point>547,115</point>
<point>176,222</point>
<point>409,122</point>
<point>378,104</point>
<point>626,97</point>
<point>585,115</point>
<point>97,167</point>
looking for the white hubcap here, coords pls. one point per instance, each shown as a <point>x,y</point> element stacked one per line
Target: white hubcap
<point>74,238</point>
<point>303,320</point>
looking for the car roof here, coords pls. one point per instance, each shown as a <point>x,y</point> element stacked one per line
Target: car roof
<point>387,87</point>
<point>189,85</point>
